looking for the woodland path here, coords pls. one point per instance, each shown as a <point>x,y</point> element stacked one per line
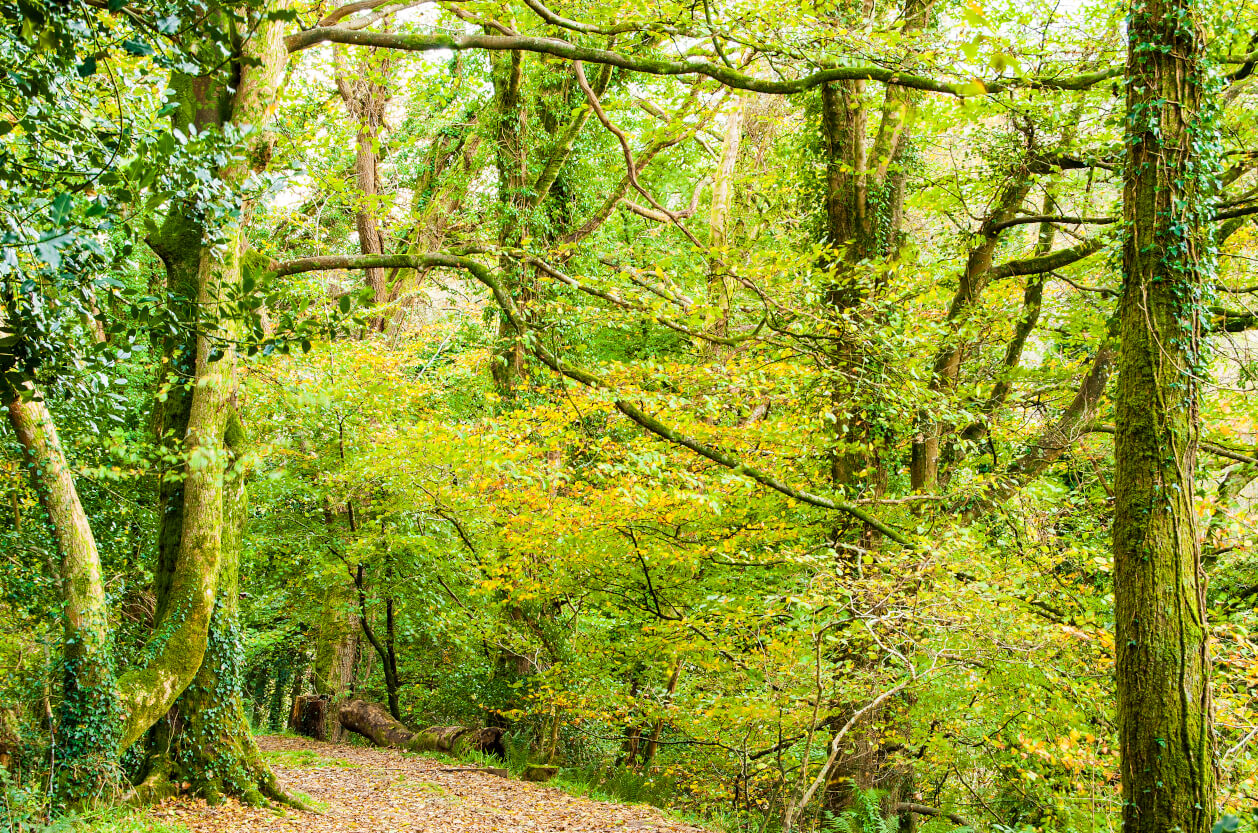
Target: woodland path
<point>366,790</point>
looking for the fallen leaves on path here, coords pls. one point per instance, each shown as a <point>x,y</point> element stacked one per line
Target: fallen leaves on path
<point>385,791</point>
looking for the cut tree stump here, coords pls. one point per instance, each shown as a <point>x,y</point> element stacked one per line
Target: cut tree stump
<point>310,716</point>
<point>373,722</point>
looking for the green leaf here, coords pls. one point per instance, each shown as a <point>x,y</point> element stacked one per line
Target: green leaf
<point>137,48</point>
<point>1228,824</point>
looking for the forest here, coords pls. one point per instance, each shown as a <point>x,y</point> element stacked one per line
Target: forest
<point>800,415</point>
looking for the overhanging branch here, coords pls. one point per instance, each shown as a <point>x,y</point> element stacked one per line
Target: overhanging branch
<point>732,78</point>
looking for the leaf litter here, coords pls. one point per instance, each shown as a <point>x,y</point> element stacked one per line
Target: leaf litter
<point>367,790</point>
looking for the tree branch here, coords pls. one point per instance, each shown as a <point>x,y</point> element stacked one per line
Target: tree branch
<point>687,66</point>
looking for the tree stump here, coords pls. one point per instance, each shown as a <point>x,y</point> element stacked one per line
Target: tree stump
<point>10,739</point>
<point>310,716</point>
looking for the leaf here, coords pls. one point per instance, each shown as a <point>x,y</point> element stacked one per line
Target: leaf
<point>61,207</point>
<point>137,48</point>
<point>1228,824</point>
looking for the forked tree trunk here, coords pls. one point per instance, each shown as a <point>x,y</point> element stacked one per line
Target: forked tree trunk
<point>205,740</point>
<point>1163,660</point>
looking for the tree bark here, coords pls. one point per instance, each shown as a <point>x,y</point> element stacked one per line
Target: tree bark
<point>507,74</point>
<point>205,740</point>
<point>211,746</point>
<point>336,649</point>
<point>1161,640</point>
<point>718,218</point>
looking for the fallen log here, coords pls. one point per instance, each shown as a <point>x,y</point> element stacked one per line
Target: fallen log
<point>374,723</point>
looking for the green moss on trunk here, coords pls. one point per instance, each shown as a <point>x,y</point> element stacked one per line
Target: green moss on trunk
<point>1163,663</point>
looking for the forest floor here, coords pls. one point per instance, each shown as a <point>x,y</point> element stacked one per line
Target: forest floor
<point>362,790</point>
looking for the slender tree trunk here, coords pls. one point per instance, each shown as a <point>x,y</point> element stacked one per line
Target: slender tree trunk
<point>653,743</point>
<point>1162,642</point>
<point>924,468</point>
<point>718,216</point>
<point>388,659</point>
<point>366,94</point>
<point>87,721</point>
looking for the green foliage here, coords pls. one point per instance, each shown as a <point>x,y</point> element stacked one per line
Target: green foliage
<point>655,622</point>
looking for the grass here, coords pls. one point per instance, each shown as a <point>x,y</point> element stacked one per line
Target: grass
<point>114,820</point>
<point>312,803</point>
<point>305,759</point>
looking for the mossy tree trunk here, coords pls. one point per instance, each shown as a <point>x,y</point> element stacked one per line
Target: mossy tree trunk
<point>1163,664</point>
<point>864,214</point>
<point>336,652</point>
<point>88,717</point>
<point>205,738</point>
<point>211,747</point>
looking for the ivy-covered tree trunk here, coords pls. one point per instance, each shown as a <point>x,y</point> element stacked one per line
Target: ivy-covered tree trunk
<point>864,212</point>
<point>1163,662</point>
<point>211,746</point>
<point>88,718</point>
<point>205,739</point>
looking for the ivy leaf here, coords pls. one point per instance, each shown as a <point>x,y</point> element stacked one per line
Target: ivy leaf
<point>137,48</point>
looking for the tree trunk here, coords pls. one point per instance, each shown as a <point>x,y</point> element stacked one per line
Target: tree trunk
<point>653,743</point>
<point>375,724</point>
<point>924,468</point>
<point>336,648</point>
<point>366,95</point>
<point>87,715</point>
<point>1162,643</point>
<point>213,749</point>
<point>205,740</point>
<point>386,652</point>
<point>718,218</point>
<point>507,74</point>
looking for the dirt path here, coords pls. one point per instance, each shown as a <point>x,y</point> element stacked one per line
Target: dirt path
<point>381,791</point>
